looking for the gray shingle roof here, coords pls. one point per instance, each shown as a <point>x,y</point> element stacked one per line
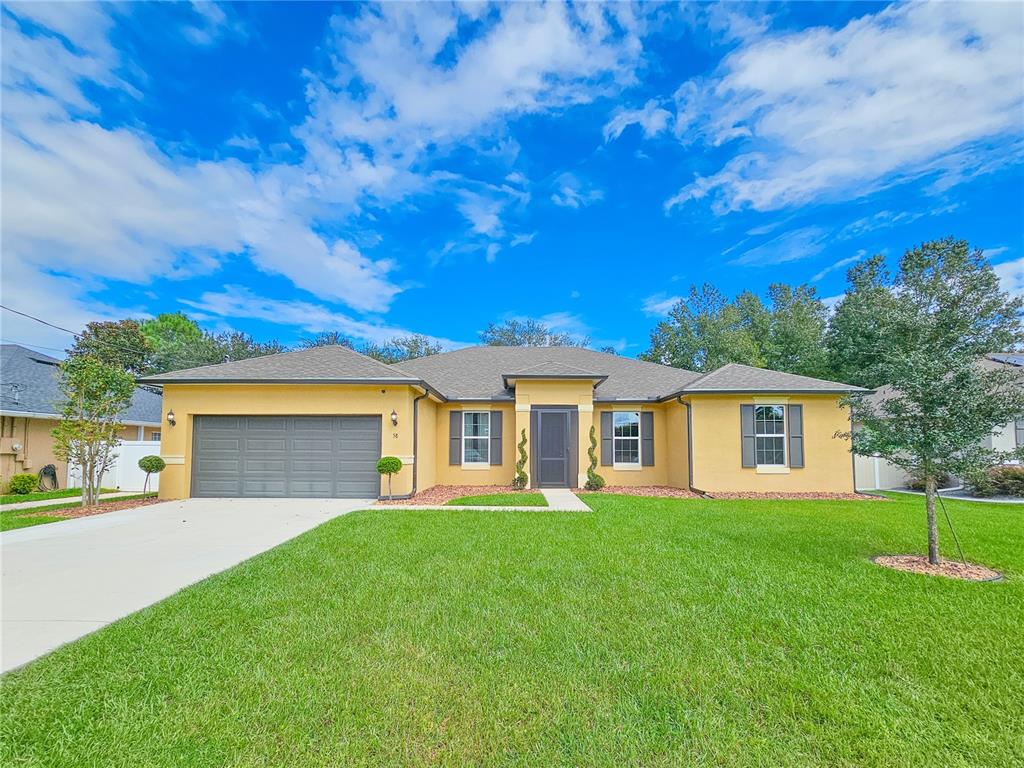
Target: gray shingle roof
<point>328,364</point>
<point>735,377</point>
<point>29,383</point>
<point>475,373</point>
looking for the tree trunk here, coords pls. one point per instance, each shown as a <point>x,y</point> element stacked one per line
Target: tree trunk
<point>389,487</point>
<point>933,527</point>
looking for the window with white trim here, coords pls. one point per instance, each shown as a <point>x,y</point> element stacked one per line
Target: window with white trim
<point>770,435</point>
<point>626,438</point>
<point>476,437</point>
<point>155,437</point>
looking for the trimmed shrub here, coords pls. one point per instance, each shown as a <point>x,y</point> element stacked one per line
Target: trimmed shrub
<point>594,481</point>
<point>916,483</point>
<point>1006,480</point>
<point>389,465</point>
<point>24,482</point>
<point>521,479</point>
<point>150,465</point>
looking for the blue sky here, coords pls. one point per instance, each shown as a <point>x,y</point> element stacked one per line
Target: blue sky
<point>286,168</point>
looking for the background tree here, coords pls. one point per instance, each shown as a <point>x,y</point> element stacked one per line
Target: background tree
<point>178,342</point>
<point>858,331</point>
<point>327,339</point>
<point>795,339</point>
<point>120,343</point>
<point>703,331</point>
<point>946,313</point>
<point>528,333</point>
<point>95,394</point>
<point>402,348</point>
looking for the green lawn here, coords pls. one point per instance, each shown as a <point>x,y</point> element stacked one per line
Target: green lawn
<point>23,518</point>
<point>17,498</point>
<point>651,632</point>
<point>500,500</point>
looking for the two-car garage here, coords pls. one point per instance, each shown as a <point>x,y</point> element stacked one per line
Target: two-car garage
<point>286,456</point>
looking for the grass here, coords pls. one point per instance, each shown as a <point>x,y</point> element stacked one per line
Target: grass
<point>500,500</point>
<point>17,498</point>
<point>23,518</point>
<point>654,632</point>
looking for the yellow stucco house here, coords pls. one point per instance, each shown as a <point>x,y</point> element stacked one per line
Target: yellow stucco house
<point>314,422</point>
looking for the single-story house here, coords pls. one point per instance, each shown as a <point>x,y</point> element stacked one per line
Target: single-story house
<point>876,473</point>
<point>314,422</point>
<point>30,404</point>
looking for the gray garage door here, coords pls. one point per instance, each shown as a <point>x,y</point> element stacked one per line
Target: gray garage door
<point>308,456</point>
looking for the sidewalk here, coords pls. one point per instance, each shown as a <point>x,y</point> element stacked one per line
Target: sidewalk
<point>558,499</point>
<point>63,500</point>
<point>958,494</point>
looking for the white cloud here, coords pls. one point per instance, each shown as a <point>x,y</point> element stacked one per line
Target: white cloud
<point>522,239</point>
<point>837,113</point>
<point>839,265</point>
<point>659,305</point>
<point>652,118</point>
<point>239,302</point>
<point>573,192</point>
<point>991,253</point>
<point>831,302</point>
<point>794,245</point>
<point>243,142</point>
<point>212,24</point>
<point>1011,276</point>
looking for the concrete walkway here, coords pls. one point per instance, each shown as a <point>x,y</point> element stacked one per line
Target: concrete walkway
<point>63,500</point>
<point>558,499</point>
<point>958,494</point>
<point>61,581</point>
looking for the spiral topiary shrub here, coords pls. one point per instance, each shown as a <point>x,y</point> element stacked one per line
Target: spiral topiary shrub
<point>389,465</point>
<point>594,481</point>
<point>521,479</point>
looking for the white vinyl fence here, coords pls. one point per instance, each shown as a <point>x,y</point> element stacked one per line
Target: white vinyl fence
<point>125,475</point>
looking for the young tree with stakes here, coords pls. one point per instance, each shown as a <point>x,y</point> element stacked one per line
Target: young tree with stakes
<point>946,313</point>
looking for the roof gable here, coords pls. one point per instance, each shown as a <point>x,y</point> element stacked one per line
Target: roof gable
<point>735,377</point>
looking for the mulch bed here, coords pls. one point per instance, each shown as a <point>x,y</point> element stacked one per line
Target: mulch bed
<point>662,491</point>
<point>952,569</point>
<point>799,496</point>
<point>439,494</point>
<point>94,509</point>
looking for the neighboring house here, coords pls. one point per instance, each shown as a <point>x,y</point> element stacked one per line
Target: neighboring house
<point>30,404</point>
<point>314,422</point>
<point>876,473</point>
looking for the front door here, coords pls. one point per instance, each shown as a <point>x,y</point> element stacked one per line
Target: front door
<point>553,465</point>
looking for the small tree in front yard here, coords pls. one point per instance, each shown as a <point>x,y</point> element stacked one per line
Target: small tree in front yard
<point>520,480</point>
<point>151,465</point>
<point>947,313</point>
<point>389,465</point>
<point>95,395</point>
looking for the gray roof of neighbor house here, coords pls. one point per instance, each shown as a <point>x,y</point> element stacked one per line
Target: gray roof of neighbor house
<point>1010,358</point>
<point>325,364</point>
<point>735,377</point>
<point>994,362</point>
<point>30,384</point>
<point>485,373</point>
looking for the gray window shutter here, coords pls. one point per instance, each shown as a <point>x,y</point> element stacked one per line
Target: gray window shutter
<point>647,438</point>
<point>795,417</point>
<point>1018,429</point>
<point>749,455</point>
<point>606,438</point>
<point>455,437</point>
<point>495,438</point>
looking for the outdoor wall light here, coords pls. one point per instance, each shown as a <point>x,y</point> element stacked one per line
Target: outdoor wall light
<point>170,417</point>
<point>16,447</point>
<point>394,419</point>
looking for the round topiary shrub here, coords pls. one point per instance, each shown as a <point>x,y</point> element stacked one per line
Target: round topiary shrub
<point>389,465</point>
<point>151,465</point>
<point>23,483</point>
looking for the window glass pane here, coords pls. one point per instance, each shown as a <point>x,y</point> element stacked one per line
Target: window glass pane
<point>477,424</point>
<point>475,450</point>
<point>770,450</point>
<point>627,450</point>
<point>626,424</point>
<point>769,420</point>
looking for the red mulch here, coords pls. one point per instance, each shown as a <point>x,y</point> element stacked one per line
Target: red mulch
<point>645,490</point>
<point>439,494</point>
<point>799,496</point>
<point>95,509</point>
<point>952,569</point>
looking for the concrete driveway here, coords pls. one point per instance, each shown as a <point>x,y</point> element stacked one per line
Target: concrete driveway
<point>64,580</point>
